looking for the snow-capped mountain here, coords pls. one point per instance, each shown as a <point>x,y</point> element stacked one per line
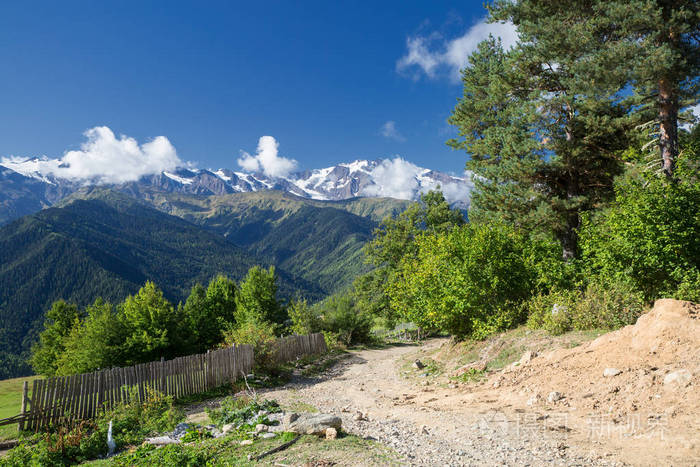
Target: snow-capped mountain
<point>392,178</point>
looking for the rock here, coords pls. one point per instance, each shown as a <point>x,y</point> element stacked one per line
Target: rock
<point>260,428</point>
<point>533,400</point>
<point>289,418</point>
<point>331,433</point>
<point>680,378</point>
<point>418,365</point>
<point>246,442</point>
<point>268,435</point>
<point>228,428</point>
<point>314,424</point>
<point>161,440</point>
<point>610,372</point>
<point>527,357</point>
<point>554,396</point>
<point>424,430</point>
<point>358,416</point>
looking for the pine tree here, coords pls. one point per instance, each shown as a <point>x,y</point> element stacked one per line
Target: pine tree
<point>543,143</point>
<point>649,46</point>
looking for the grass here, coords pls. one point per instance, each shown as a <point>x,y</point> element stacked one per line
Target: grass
<point>11,403</point>
<point>228,452</point>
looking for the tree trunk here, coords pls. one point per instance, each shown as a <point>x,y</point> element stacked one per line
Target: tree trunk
<point>668,126</point>
<point>569,237</point>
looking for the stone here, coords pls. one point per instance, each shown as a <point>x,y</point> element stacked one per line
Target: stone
<point>554,396</point>
<point>289,418</point>
<point>229,427</point>
<point>161,440</point>
<point>610,372</point>
<point>260,428</point>
<point>268,435</point>
<point>680,378</point>
<point>246,442</point>
<point>314,424</point>
<point>527,357</point>
<point>533,400</point>
<point>331,433</point>
<point>418,365</point>
<point>358,416</point>
<point>424,430</point>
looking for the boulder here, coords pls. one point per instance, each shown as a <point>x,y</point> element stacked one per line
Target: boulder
<point>314,424</point>
<point>268,435</point>
<point>331,433</point>
<point>246,442</point>
<point>161,440</point>
<point>554,396</point>
<point>418,365</point>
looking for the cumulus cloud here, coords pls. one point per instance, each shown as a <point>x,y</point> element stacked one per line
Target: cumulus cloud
<point>432,53</point>
<point>398,178</point>
<point>267,159</point>
<point>104,158</point>
<point>390,131</point>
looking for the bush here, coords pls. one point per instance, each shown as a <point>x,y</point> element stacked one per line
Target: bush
<point>469,282</point>
<point>261,335</point>
<point>649,237</point>
<point>340,316</point>
<point>600,306</point>
<point>305,320</point>
<point>552,312</point>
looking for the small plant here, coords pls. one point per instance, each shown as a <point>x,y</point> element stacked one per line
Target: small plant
<point>243,412</point>
<point>195,434</point>
<point>470,376</point>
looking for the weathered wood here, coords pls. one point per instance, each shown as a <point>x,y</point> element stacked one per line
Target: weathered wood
<point>25,390</point>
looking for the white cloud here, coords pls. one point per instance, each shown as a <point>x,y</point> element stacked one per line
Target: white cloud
<point>389,131</point>
<point>433,53</point>
<point>267,159</point>
<point>104,158</point>
<point>398,178</point>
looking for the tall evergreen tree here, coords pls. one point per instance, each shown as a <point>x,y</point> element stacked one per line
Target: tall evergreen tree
<point>650,46</point>
<point>543,143</point>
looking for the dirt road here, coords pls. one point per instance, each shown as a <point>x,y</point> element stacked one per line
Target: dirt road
<point>432,425</point>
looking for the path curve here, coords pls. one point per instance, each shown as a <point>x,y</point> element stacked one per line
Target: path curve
<point>426,424</point>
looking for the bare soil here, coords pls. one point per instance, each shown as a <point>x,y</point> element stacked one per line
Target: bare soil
<point>505,418</point>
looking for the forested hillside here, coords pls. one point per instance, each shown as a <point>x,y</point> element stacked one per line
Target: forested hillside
<point>106,246</point>
<point>320,241</point>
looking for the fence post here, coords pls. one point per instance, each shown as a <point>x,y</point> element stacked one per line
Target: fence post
<point>25,390</point>
<point>162,375</point>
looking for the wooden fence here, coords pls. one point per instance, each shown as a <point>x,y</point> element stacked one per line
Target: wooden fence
<point>292,347</point>
<point>64,399</point>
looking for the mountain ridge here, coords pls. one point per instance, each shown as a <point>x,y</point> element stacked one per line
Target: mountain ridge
<point>25,189</point>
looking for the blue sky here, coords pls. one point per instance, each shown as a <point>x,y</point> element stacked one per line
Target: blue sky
<point>330,81</point>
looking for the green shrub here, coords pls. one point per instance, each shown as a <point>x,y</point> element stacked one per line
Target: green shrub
<point>600,306</point>
<point>340,316</point>
<point>649,237</point>
<point>552,312</point>
<point>305,320</point>
<point>242,412</point>
<point>261,335</point>
<point>469,282</point>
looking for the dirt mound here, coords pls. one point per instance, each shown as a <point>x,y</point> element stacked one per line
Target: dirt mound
<point>640,382</point>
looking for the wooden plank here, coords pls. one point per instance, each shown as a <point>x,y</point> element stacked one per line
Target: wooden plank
<point>25,390</point>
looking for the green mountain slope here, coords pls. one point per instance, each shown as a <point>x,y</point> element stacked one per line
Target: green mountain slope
<point>320,241</point>
<point>107,245</point>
